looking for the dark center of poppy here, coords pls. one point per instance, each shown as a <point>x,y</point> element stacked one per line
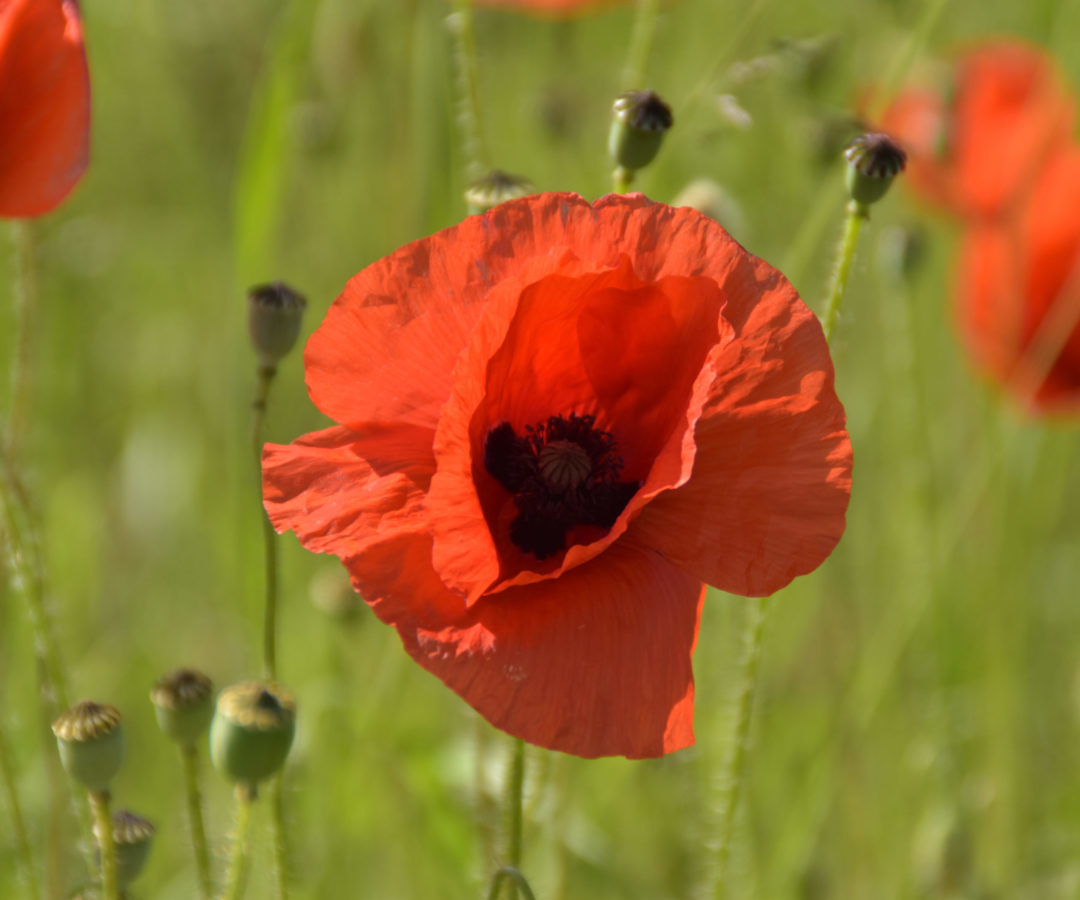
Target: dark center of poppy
<point>563,472</point>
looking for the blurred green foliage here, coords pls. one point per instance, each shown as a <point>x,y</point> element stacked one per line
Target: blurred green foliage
<point>916,731</point>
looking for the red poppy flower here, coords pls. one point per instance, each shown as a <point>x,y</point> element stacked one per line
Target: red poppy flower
<point>44,105</point>
<point>977,153</point>
<point>556,420</point>
<point>1019,292</point>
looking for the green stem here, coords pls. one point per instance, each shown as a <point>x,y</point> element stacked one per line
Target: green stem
<point>238,858</point>
<point>99,805</point>
<point>622,178</point>
<point>641,41</point>
<point>462,27</point>
<point>731,776</point>
<point>26,295</point>
<point>189,755</point>
<point>513,812</point>
<point>516,879</point>
<point>258,406</point>
<point>22,839</point>
<point>856,215</point>
<point>26,575</point>
<point>281,849</point>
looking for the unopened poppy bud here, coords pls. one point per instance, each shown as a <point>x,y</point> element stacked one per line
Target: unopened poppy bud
<point>637,128</point>
<point>132,837</point>
<point>494,188</point>
<point>252,731</point>
<point>184,705</point>
<point>91,744</point>
<point>874,160</point>
<point>274,314</point>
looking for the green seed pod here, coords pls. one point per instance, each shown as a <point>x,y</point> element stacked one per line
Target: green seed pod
<point>91,744</point>
<point>494,188</point>
<point>639,122</point>
<point>183,703</point>
<point>132,836</point>
<point>274,314</point>
<point>252,731</point>
<point>874,160</point>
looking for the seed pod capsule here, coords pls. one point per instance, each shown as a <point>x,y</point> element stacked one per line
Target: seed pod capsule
<point>183,703</point>
<point>91,743</point>
<point>252,731</point>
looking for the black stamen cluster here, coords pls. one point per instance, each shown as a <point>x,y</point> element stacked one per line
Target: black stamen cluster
<point>545,512</point>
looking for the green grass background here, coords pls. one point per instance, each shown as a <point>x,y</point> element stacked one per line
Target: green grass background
<point>917,723</point>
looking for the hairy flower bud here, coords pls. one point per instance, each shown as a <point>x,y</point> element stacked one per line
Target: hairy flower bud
<point>873,161</point>
<point>640,120</point>
<point>274,314</point>
<point>132,837</point>
<point>91,744</point>
<point>252,731</point>
<point>183,703</point>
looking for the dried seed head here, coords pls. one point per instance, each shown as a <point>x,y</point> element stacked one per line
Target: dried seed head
<point>639,121</point>
<point>183,703</point>
<point>252,731</point>
<point>494,188</point>
<point>274,314</point>
<point>874,160</point>
<point>132,836</point>
<point>91,744</point>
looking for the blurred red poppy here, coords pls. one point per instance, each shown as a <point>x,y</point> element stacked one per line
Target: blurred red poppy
<point>44,105</point>
<point>556,421</point>
<point>976,150</point>
<point>555,9</point>
<point>1018,284</point>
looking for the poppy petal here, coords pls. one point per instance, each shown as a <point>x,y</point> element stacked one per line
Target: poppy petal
<point>546,661</point>
<point>44,105</point>
<point>772,476</point>
<point>343,492</point>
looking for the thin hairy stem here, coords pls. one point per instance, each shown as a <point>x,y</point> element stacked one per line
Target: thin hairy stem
<point>18,824</point>
<point>258,415</point>
<point>189,755</point>
<point>856,215</point>
<point>99,805</point>
<point>236,875</point>
<point>26,295</point>
<point>281,847</point>
<point>513,813</point>
<point>467,83</point>
<point>734,769</point>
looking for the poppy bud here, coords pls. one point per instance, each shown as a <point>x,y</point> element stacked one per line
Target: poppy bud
<point>252,731</point>
<point>132,837</point>
<point>637,128</point>
<point>494,188</point>
<point>873,161</point>
<point>183,705</point>
<point>91,744</point>
<point>274,314</point>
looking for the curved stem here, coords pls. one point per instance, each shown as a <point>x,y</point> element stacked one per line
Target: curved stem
<point>189,755</point>
<point>856,215</point>
<point>641,41</point>
<point>467,83</point>
<point>513,811</point>
<point>238,859</point>
<point>258,407</point>
<point>732,773</point>
<point>509,873</point>
<point>281,847</point>
<point>99,805</point>
<point>22,838</point>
